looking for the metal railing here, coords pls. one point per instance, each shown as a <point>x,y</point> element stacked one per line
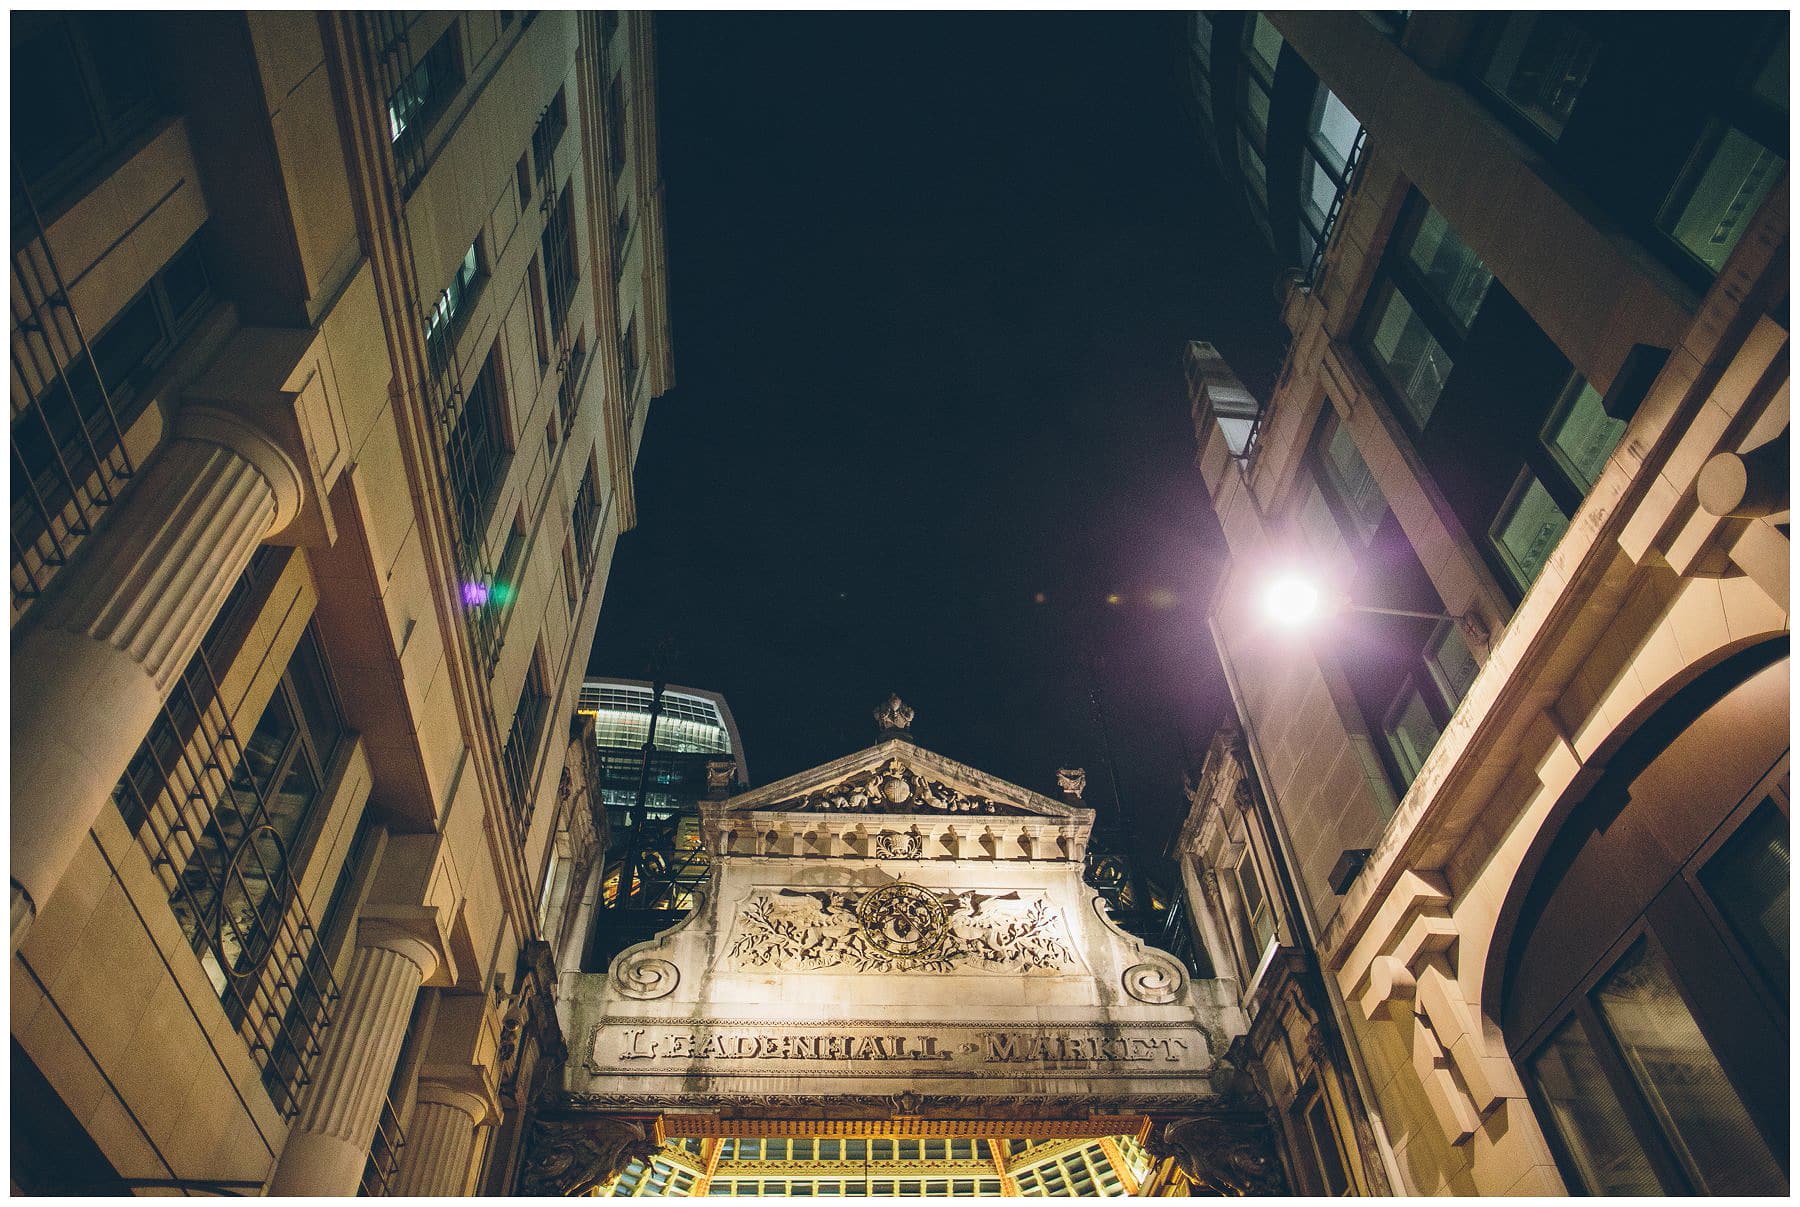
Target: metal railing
<point>384,1153</point>
<point>1313,266</point>
<point>68,446</point>
<point>200,815</point>
<point>522,742</point>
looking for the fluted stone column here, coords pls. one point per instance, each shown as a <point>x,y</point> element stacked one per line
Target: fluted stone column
<point>329,1142</point>
<point>121,622</point>
<point>439,1156</point>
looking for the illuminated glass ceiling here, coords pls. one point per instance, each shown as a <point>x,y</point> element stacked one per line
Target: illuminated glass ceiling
<point>1109,1167</point>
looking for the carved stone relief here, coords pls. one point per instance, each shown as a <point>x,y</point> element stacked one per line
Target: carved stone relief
<point>575,1158</point>
<point>1223,1155</point>
<point>891,788</point>
<point>900,927</point>
<point>890,844</point>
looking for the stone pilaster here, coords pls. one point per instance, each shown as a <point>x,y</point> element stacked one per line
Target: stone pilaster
<point>329,1143</point>
<point>438,1160</point>
<point>120,623</point>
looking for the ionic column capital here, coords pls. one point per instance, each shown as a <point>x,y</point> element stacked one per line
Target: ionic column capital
<point>207,424</point>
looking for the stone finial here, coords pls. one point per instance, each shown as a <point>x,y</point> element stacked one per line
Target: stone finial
<point>894,718</point>
<point>719,776</point>
<point>1071,782</point>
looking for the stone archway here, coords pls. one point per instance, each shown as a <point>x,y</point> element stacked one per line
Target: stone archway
<point>897,946</point>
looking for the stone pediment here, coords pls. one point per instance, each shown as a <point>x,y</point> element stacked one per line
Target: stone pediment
<point>898,777</point>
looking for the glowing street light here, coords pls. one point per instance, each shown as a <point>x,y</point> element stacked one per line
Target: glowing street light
<point>1293,601</point>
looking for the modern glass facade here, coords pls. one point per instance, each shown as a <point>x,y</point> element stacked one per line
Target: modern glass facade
<point>656,859</point>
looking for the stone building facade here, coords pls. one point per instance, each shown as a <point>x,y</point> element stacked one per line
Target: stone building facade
<point>333,341</point>
<point>1514,802</point>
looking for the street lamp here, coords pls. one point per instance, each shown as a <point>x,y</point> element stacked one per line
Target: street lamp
<point>1294,601</point>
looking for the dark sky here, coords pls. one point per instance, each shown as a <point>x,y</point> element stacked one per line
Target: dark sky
<point>931,275</point>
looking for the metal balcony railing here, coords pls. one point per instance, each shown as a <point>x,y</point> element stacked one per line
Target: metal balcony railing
<point>68,446</point>
<point>1316,264</point>
<point>200,815</point>
<point>384,1153</point>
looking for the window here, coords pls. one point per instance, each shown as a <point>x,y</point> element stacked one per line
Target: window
<point>476,448</point>
<point>239,881</point>
<point>1424,308</point>
<point>79,418</point>
<point>1321,1136</point>
<point>1727,179</point>
<point>1561,468</point>
<point>621,236</point>
<point>548,133</point>
<point>1331,136</point>
<point>609,26</point>
<point>506,575</point>
<point>561,266</point>
<point>1538,65</point>
<point>628,357</point>
<point>522,739</point>
<point>452,308</point>
<point>615,125</point>
<point>421,99</point>
<point>1256,920</point>
<point>1411,731</point>
<point>88,82</point>
<point>534,285</point>
<point>1262,44</point>
<point>522,178</point>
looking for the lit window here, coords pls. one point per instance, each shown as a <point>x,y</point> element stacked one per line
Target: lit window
<point>1581,435</point>
<point>1527,530</point>
<point>1727,180</point>
<point>1411,732</point>
<point>1415,362</point>
<point>1452,273</point>
<point>1264,46</point>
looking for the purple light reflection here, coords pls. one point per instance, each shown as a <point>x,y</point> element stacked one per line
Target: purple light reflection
<point>474,595</point>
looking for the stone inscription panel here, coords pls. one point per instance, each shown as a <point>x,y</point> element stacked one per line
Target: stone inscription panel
<point>635,1046</point>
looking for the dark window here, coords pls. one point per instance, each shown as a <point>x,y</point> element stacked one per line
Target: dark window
<point>628,357</point>
<point>522,176</point>
<point>81,89</point>
<point>1538,64</point>
<point>584,522</point>
<point>561,266</point>
<point>609,25</point>
<point>78,420</point>
<point>548,133</point>
<point>534,285</point>
<point>476,450</point>
<point>523,738</point>
<point>615,125</point>
<point>1328,1156</point>
<point>506,575</point>
<point>621,237</point>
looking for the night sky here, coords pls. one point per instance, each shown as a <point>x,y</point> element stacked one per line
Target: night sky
<point>931,275</point>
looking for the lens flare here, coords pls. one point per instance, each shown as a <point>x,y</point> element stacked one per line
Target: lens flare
<point>1292,600</point>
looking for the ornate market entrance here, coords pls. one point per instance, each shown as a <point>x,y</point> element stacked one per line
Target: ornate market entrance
<point>898,983</point>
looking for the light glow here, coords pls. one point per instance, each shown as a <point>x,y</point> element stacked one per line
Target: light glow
<point>1293,600</point>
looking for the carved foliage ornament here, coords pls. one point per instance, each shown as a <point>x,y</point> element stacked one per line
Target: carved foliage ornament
<point>899,927</point>
<point>576,1158</point>
<point>891,788</point>
<point>1071,781</point>
<point>890,844</point>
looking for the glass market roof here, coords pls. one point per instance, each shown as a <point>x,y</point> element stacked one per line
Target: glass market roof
<point>935,1167</point>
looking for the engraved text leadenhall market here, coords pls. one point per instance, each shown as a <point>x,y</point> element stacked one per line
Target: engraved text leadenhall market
<point>897,957</point>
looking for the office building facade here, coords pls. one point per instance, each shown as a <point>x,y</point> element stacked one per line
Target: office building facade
<point>333,341</point>
<point>1515,792</point>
